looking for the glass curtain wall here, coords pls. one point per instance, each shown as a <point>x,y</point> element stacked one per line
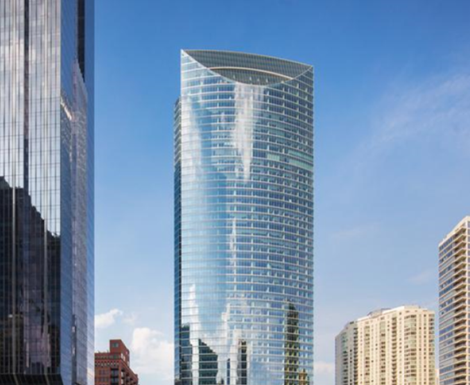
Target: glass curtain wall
<point>243,220</point>
<point>46,192</point>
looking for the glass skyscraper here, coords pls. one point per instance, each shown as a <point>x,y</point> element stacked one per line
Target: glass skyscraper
<point>46,192</point>
<point>243,220</point>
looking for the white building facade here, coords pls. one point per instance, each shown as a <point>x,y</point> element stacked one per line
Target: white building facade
<point>387,347</point>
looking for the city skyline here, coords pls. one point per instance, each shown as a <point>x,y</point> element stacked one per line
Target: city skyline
<point>392,143</point>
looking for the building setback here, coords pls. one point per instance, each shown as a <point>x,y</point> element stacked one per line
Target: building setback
<point>114,367</point>
<point>46,192</point>
<point>388,347</point>
<point>454,308</point>
<point>243,220</point>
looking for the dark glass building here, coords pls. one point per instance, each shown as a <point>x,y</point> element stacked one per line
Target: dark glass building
<point>243,221</point>
<point>46,192</point>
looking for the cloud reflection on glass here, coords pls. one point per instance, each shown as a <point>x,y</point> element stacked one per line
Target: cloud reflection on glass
<point>243,220</point>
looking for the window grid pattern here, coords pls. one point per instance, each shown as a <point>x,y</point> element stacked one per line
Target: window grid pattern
<point>243,221</point>
<point>46,193</point>
<point>454,306</point>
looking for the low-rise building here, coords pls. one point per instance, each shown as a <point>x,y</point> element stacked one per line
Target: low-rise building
<point>113,367</point>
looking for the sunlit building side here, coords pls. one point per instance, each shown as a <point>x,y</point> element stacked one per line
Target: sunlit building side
<point>392,346</point>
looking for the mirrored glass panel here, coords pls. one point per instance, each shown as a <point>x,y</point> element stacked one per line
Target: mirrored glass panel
<point>243,220</point>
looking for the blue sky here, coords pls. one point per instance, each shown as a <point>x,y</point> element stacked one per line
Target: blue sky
<point>392,142</point>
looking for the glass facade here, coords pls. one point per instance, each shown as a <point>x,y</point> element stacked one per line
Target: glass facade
<point>243,221</point>
<point>46,192</point>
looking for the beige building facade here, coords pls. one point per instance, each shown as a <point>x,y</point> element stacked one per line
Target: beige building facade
<point>388,347</point>
<point>454,306</point>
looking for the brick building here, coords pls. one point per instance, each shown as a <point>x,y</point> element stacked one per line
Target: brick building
<point>113,367</point>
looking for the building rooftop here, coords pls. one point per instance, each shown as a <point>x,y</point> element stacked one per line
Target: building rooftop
<point>462,223</point>
<point>384,311</point>
<point>249,68</point>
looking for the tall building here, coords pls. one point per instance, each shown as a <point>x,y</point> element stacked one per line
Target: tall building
<point>454,306</point>
<point>387,347</point>
<point>114,367</point>
<point>46,192</point>
<point>243,220</point>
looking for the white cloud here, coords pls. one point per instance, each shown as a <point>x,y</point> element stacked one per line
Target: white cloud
<point>323,367</point>
<point>440,105</point>
<point>105,320</point>
<point>130,319</point>
<point>152,353</point>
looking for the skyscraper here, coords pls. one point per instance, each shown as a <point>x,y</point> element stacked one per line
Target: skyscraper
<point>46,192</point>
<point>243,220</point>
<point>394,346</point>
<point>454,308</point>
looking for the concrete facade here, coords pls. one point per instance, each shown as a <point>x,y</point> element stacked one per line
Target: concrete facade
<point>387,347</point>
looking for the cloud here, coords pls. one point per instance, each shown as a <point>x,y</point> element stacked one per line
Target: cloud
<point>130,319</point>
<point>424,277</point>
<point>440,105</point>
<point>323,367</point>
<point>152,353</point>
<point>105,320</point>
